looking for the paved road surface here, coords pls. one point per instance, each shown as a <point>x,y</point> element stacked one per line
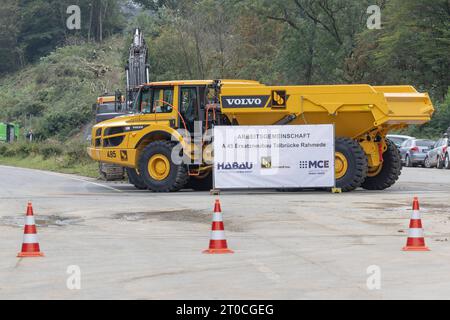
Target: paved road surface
<point>136,245</point>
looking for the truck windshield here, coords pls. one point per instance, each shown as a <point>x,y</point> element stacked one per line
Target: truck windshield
<point>106,108</point>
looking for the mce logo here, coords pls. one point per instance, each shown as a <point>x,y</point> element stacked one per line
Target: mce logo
<point>320,164</point>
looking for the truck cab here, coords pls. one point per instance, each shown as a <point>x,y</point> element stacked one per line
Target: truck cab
<point>109,107</point>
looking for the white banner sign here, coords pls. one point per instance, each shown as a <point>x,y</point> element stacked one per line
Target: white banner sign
<point>273,156</point>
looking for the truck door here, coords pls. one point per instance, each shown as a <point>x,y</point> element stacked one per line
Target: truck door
<point>192,106</point>
<point>144,105</point>
<point>163,101</point>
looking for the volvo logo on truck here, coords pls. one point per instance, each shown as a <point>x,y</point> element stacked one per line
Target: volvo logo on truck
<point>245,101</point>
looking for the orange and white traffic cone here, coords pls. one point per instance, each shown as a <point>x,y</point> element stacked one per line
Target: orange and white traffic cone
<point>30,246</point>
<point>218,243</point>
<point>416,240</point>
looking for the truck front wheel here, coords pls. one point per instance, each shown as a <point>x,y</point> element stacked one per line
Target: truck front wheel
<point>158,170</point>
<point>350,164</point>
<point>135,179</point>
<point>388,173</point>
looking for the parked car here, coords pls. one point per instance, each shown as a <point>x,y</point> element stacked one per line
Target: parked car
<point>398,140</point>
<point>439,156</point>
<point>414,151</point>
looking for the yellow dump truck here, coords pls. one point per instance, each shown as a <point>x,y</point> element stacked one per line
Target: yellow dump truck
<point>362,115</point>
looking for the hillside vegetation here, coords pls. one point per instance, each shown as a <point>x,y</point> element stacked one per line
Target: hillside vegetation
<point>55,95</point>
<point>54,98</point>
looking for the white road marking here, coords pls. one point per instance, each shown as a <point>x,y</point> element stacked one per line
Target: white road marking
<point>82,180</point>
<point>62,175</point>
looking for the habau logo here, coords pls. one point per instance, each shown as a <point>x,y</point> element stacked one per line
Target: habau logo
<point>321,164</point>
<point>235,166</point>
<point>245,102</point>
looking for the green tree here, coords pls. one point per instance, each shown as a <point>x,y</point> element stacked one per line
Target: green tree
<point>42,27</point>
<point>412,48</point>
<point>10,55</point>
<point>320,37</point>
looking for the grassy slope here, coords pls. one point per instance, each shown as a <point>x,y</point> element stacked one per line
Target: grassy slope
<point>58,93</point>
<point>51,164</point>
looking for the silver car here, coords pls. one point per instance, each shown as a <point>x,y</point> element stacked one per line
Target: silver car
<point>439,156</point>
<point>397,139</point>
<point>414,151</point>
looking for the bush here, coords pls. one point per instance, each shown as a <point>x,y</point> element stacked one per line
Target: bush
<point>51,149</point>
<point>76,153</point>
<point>18,149</point>
<point>3,149</point>
<point>9,152</point>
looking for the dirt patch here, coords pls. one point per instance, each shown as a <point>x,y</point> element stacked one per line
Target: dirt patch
<point>169,215</point>
<point>382,205</point>
<point>188,215</point>
<point>442,206</point>
<point>407,206</point>
<point>41,221</point>
<point>384,222</point>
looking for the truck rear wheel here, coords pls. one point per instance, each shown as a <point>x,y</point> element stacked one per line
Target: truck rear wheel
<point>350,164</point>
<point>135,179</point>
<point>390,170</point>
<point>157,169</point>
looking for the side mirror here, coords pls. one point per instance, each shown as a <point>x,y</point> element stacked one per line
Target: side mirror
<point>94,107</point>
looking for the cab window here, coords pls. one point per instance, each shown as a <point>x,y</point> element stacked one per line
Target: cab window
<point>145,102</point>
<point>189,103</point>
<point>162,100</point>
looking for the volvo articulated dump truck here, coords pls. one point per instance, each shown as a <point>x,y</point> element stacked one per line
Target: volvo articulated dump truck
<point>362,114</point>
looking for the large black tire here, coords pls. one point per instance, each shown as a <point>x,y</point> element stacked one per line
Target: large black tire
<point>201,183</point>
<point>135,179</point>
<point>357,164</point>
<point>178,175</point>
<point>390,172</point>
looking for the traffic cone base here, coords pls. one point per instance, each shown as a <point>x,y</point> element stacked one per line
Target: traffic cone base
<point>218,251</point>
<point>416,249</point>
<point>30,255</point>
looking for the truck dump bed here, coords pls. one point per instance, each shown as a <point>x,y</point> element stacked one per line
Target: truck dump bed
<point>354,109</point>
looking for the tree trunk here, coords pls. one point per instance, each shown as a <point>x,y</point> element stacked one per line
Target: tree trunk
<point>90,22</point>
<point>311,53</point>
<point>100,22</point>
